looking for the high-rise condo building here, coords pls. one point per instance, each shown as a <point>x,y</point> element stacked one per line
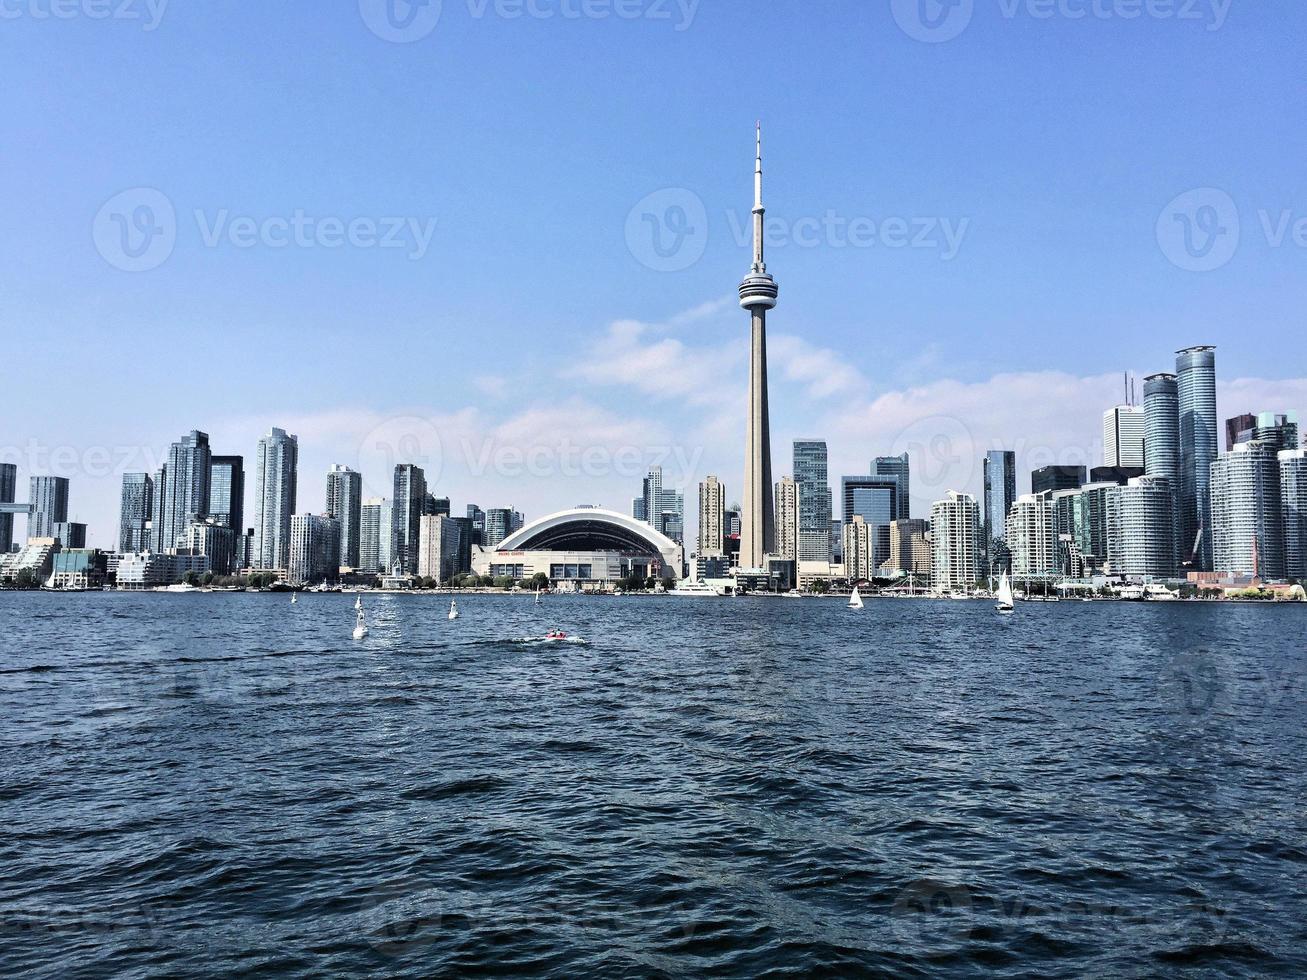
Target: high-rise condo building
<point>1000,474</point>
<point>909,548</point>
<point>1293,510</point>
<point>1278,431</point>
<point>227,504</point>
<point>438,548</point>
<point>859,550</point>
<point>276,475</point>
<point>212,539</point>
<point>1162,441</point>
<point>1140,528</point>
<point>1123,436</point>
<point>406,509</point>
<point>712,517</point>
<point>499,525</point>
<point>661,508</point>
<point>758,294</point>
<point>1051,478</point>
<point>812,482</point>
<point>135,513</point>
<point>787,519</point>
<point>955,529</point>
<point>436,506</point>
<point>313,549</point>
<point>1030,536</point>
<point>1195,369</point>
<point>70,534</point>
<point>375,535</point>
<point>186,490</point>
<point>48,496</point>
<point>344,502</point>
<point>8,491</point>
<point>1247,519</point>
<point>1239,429</point>
<point>899,468</point>
<point>1080,528</point>
<point>478,518</point>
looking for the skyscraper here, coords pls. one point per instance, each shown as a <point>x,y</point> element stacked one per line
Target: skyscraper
<point>186,492</point>
<point>276,478</point>
<point>344,502</point>
<point>135,513</point>
<point>227,492</point>
<point>1278,431</point>
<point>1293,511</point>
<point>48,496</point>
<point>1140,528</point>
<point>1247,520</point>
<point>662,509</point>
<point>859,550</point>
<point>438,547</point>
<point>1162,444</point>
<point>955,528</point>
<point>1195,369</point>
<point>812,482</point>
<point>909,547</point>
<point>787,519</point>
<point>758,293</point>
<point>1239,429</point>
<point>478,518</point>
<point>1000,494</point>
<point>1030,537</point>
<point>899,468</point>
<point>375,535</point>
<point>8,490</point>
<point>499,525</point>
<point>876,500</point>
<point>1123,436</point>
<point>406,508</point>
<point>712,517</point>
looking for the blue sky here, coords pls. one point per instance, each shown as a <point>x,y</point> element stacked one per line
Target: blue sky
<point>1053,146</point>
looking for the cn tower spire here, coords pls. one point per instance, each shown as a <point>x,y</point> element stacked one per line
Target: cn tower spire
<point>758,210</point>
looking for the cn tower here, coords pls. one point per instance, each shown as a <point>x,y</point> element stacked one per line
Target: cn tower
<point>758,294</point>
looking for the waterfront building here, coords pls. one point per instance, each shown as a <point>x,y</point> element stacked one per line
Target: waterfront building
<point>712,517</point>
<point>1030,538</point>
<point>478,518</point>
<point>314,549</point>
<point>438,548</point>
<point>758,293</point>
<point>899,468</point>
<point>276,479</point>
<point>212,538</point>
<point>151,569</point>
<point>48,496</point>
<point>812,483</point>
<point>1247,520</point>
<point>1278,431</point>
<point>662,508</point>
<point>243,555</point>
<point>1047,479</point>
<point>70,534</point>
<point>406,512</point>
<point>859,550</point>
<point>1140,523</point>
<point>344,502</point>
<point>186,490</point>
<point>1196,386</point>
<point>499,525</point>
<point>787,519</point>
<point>909,548</point>
<point>582,549</point>
<point>955,529</point>
<point>375,535</point>
<point>227,492</point>
<point>8,493</point>
<point>135,513</point>
<point>1123,436</point>
<point>35,557</point>
<point>464,561</point>
<point>1293,511</point>
<point>1162,439</point>
<point>78,569</point>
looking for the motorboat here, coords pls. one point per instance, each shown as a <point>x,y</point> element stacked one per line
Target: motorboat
<point>555,636</point>
<point>696,589</point>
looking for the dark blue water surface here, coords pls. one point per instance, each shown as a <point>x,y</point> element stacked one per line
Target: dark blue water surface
<point>219,784</point>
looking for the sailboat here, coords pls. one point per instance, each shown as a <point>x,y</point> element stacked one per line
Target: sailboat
<point>453,609</point>
<point>294,598</point>
<point>855,600</point>
<point>1005,603</point>
<point>360,625</point>
<point>537,595</point>
<point>358,603</point>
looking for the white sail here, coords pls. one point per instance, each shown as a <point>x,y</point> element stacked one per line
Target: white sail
<point>1004,594</point>
<point>453,609</point>
<point>855,600</point>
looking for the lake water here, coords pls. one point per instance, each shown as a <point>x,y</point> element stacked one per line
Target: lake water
<point>219,784</point>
